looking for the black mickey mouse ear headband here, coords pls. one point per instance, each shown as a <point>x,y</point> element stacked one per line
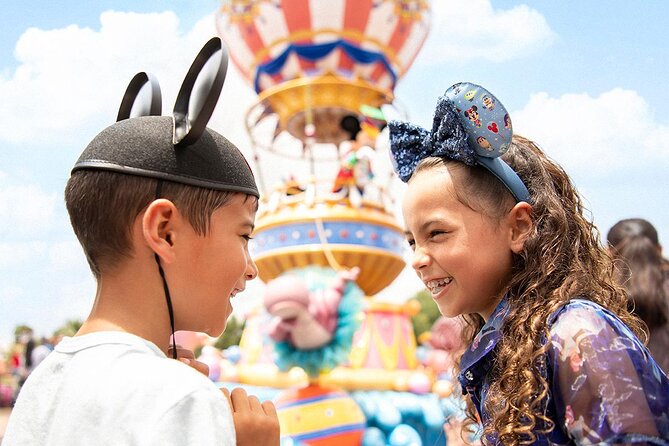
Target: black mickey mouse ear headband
<point>154,105</point>
<point>180,148</point>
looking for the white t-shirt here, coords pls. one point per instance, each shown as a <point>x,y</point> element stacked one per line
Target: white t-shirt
<point>116,388</point>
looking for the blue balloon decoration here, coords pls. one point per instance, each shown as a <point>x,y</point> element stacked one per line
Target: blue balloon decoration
<point>232,353</point>
<point>289,441</point>
<point>408,404</point>
<point>373,436</point>
<point>387,417</point>
<point>433,417</point>
<point>404,435</point>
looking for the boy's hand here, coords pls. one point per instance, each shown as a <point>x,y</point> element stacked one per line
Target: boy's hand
<point>255,423</point>
<point>188,357</point>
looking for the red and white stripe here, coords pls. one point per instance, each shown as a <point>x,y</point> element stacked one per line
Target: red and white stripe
<point>273,28</point>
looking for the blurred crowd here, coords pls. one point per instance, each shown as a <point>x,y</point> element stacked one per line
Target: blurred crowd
<point>19,359</point>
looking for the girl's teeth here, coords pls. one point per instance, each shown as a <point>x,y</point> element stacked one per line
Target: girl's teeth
<point>436,286</point>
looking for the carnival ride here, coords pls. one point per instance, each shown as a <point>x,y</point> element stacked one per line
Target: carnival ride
<point>341,366</point>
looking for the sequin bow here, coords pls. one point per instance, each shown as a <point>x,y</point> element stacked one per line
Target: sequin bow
<point>409,143</point>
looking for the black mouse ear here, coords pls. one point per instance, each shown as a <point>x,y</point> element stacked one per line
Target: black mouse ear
<point>351,125</point>
<point>208,69</point>
<point>151,107</point>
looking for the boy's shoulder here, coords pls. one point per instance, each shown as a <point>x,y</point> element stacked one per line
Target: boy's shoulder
<point>106,371</point>
<point>126,360</point>
<point>117,385</point>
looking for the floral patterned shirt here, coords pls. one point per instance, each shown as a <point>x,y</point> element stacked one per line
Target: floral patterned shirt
<point>604,386</point>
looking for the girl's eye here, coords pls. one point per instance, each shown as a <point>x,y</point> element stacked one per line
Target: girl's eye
<point>247,237</point>
<point>436,233</point>
<point>412,243</point>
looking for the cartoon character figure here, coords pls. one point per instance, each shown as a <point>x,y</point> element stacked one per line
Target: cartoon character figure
<point>470,95</point>
<point>507,121</point>
<point>484,143</point>
<point>292,186</point>
<point>488,102</point>
<point>355,171</point>
<point>307,320</point>
<point>473,115</point>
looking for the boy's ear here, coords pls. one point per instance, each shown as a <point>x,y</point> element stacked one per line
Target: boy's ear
<point>521,225</point>
<point>158,227</point>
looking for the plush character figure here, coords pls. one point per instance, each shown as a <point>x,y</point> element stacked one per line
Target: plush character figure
<point>306,319</point>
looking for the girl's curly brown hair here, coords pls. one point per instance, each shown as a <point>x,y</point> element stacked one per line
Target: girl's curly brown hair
<point>562,259</point>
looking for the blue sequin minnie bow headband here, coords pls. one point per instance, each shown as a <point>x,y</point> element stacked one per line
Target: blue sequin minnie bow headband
<point>471,126</point>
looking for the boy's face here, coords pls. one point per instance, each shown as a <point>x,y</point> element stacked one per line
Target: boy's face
<point>215,267</point>
<point>463,257</point>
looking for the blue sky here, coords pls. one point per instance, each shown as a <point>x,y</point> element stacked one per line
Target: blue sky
<point>586,80</point>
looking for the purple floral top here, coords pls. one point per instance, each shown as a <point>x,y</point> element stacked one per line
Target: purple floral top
<point>604,386</point>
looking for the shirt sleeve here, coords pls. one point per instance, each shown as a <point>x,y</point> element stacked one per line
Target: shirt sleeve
<point>607,388</point>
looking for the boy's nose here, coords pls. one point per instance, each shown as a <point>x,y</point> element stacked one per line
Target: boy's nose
<point>251,270</point>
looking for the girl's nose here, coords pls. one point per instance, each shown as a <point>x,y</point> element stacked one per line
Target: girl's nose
<point>420,259</point>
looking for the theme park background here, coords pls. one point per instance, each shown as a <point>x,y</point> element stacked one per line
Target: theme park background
<point>577,79</point>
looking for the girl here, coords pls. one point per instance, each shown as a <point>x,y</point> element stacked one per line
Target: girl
<point>635,246</point>
<point>553,354</point>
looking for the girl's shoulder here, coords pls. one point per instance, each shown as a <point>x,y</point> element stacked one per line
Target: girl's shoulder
<point>582,317</point>
<point>578,308</point>
<point>599,370</point>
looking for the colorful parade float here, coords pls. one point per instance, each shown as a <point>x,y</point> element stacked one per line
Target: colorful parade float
<point>342,366</point>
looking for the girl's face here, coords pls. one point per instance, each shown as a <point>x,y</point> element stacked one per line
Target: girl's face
<point>463,257</point>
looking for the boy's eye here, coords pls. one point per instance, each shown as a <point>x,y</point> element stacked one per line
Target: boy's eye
<point>436,233</point>
<point>411,242</point>
<point>247,237</point>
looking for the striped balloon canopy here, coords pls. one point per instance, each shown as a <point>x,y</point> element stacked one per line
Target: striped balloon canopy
<point>311,59</point>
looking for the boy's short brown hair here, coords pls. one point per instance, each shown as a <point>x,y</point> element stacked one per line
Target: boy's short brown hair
<point>103,206</point>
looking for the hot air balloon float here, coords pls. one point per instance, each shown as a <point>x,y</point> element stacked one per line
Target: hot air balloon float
<point>342,367</point>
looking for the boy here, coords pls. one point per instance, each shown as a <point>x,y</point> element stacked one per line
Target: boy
<point>160,221</point>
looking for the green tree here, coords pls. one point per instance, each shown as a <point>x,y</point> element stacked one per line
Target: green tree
<point>429,312</point>
<point>70,327</point>
<point>20,330</point>
<point>231,335</point>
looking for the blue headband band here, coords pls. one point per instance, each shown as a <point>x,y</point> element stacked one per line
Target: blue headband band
<point>471,126</point>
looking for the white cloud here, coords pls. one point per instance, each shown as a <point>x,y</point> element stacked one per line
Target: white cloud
<point>596,135</point>
<point>25,208</point>
<point>472,30</point>
<point>10,295</point>
<point>15,254</point>
<point>67,256</point>
<point>70,80</point>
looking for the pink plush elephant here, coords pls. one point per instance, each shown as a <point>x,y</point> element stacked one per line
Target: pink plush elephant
<point>307,320</point>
